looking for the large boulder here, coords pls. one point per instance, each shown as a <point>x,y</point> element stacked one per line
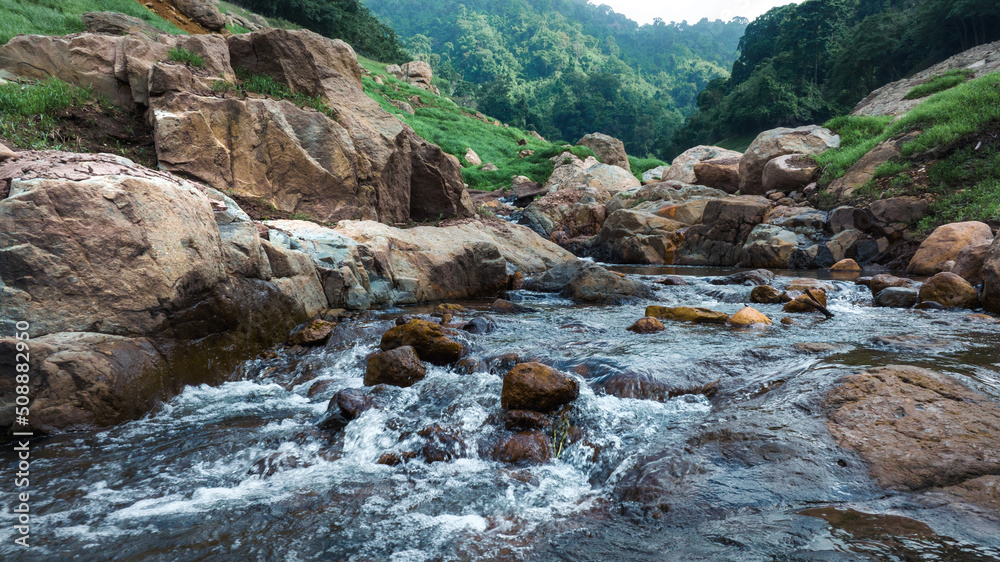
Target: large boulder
<point>768,246</point>
<point>970,261</point>
<point>203,12</point>
<point>608,149</point>
<point>862,171</point>
<point>788,173</point>
<point>727,224</point>
<point>594,284</point>
<point>721,173</point>
<point>114,23</point>
<point>991,278</point>
<point>635,237</point>
<point>698,315</point>
<point>915,428</point>
<point>431,342</point>
<point>807,140</point>
<point>945,243</point>
<point>538,388</point>
<point>140,281</point>
<point>397,367</point>
<point>950,291</point>
<point>419,74</point>
<point>682,168</point>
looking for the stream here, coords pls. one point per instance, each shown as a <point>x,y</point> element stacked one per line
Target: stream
<point>241,469</point>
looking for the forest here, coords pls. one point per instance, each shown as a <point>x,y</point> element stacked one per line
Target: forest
<point>809,62</point>
<point>565,67</point>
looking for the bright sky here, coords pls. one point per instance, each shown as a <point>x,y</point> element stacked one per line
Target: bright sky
<point>643,11</point>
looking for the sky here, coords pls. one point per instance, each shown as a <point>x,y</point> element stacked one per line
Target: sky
<point>643,11</point>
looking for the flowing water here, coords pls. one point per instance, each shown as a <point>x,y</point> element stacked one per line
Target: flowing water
<point>242,470</point>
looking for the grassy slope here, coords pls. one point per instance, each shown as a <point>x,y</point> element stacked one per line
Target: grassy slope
<point>956,156</point>
<point>61,17</point>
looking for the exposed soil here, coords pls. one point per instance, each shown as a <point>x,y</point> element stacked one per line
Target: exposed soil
<point>95,128</point>
<point>166,10</point>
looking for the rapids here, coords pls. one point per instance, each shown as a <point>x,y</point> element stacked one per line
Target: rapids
<point>241,470</point>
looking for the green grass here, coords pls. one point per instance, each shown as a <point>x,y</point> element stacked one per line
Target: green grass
<point>739,144</point>
<point>453,127</point>
<point>184,56</point>
<point>640,165</point>
<point>236,29</point>
<point>61,17</point>
<point>26,111</point>
<point>940,83</point>
<point>968,184</point>
<point>858,135</point>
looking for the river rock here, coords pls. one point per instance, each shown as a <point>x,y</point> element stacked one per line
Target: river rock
<point>397,367</point>
<point>846,264</point>
<point>768,245</point>
<point>721,173</point>
<point>479,325</point>
<point>884,280</point>
<point>788,173</point>
<point>749,316</point>
<point>765,294</point>
<point>698,315</point>
<point>949,290</point>
<point>594,284</point>
<point>608,149</point>
<point>916,428</point>
<point>647,325</point>
<point>502,306</point>
<point>991,278</point>
<point>727,225</point>
<point>896,297</point>
<point>538,388</point>
<point>802,302</point>
<point>945,243</point>
<point>431,342</point>
<point>316,332</point>
<point>768,145</point>
<point>203,12</point>
<point>682,167</point>
<point>532,447</point>
<point>184,285</point>
<point>753,277</point>
<point>970,261</point>
<point>899,212</point>
<point>629,236</point>
<point>522,420</point>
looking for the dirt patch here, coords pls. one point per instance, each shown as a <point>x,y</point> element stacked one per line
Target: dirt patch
<point>166,10</point>
<point>93,128</point>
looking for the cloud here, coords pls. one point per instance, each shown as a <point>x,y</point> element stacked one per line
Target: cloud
<point>644,11</point>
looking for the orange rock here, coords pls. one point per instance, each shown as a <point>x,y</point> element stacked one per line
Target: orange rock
<point>845,265</point>
<point>749,316</point>
<point>647,325</point>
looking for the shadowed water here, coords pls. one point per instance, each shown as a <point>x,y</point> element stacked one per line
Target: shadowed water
<point>749,473</point>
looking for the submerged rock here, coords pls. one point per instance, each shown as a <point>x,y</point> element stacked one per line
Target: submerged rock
<point>749,316</point>
<point>397,367</point>
<point>594,284</point>
<point>916,428</point>
<point>531,447</point>
<point>883,281</point>
<point>537,387</point>
<point>526,420</point>
<point>765,294</point>
<point>316,332</point>
<point>896,297</point>
<point>647,325</point>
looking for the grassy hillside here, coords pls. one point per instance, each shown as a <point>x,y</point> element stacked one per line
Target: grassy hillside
<point>61,17</point>
<point>956,156</point>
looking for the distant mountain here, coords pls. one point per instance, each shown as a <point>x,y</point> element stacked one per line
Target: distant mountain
<point>566,67</point>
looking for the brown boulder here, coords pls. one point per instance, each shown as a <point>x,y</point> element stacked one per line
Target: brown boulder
<point>915,428</point>
<point>949,290</point>
<point>991,278</point>
<point>884,281</point>
<point>846,264</point>
<point>697,315</point>
<point>396,367</point>
<point>114,23</point>
<point>203,12</point>
<point>727,224</point>
<point>608,150</point>
<point>749,316</point>
<point>720,173</point>
<point>537,387</point>
<point>970,261</point>
<point>768,145</point>
<point>532,447</point>
<point>765,294</point>
<point>803,302</point>
<point>682,168</point>
<point>430,341</point>
<point>316,332</point>
<point>598,285</point>
<point>647,325</point>
<point>629,236</point>
<point>526,420</point>
<point>788,173</point>
<point>945,243</point>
